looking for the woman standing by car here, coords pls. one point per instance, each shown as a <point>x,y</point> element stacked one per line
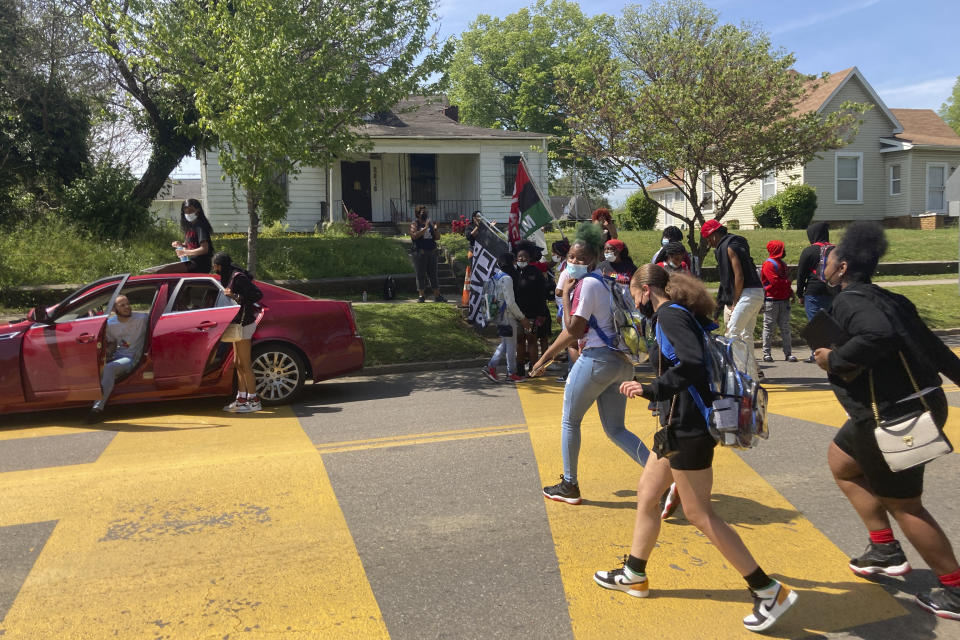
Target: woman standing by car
<point>682,308</point>
<point>597,374</point>
<point>891,354</point>
<point>197,243</point>
<point>425,235</point>
<point>238,285</point>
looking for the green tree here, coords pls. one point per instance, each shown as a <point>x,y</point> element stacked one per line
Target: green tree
<point>282,84</point>
<point>503,75</point>
<point>950,110</point>
<point>683,97</point>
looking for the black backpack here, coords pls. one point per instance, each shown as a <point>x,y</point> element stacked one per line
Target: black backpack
<point>389,288</point>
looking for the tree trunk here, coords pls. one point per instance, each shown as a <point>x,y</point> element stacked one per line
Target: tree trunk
<point>253,203</point>
<point>168,150</point>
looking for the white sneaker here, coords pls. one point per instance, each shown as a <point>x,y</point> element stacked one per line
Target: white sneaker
<point>766,611</point>
<point>233,406</point>
<point>671,500</point>
<point>249,407</point>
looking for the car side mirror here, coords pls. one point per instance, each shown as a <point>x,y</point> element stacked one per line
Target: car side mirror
<point>38,314</point>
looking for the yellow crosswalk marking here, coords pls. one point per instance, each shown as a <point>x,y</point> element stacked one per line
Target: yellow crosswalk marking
<point>220,524</point>
<point>694,592</point>
<point>421,438</point>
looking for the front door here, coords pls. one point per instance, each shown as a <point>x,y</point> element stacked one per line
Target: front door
<point>355,188</point>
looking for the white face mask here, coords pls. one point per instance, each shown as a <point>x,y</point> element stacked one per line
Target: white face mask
<point>521,264</point>
<point>610,256</point>
<point>557,258</point>
<point>664,242</point>
<point>191,217</point>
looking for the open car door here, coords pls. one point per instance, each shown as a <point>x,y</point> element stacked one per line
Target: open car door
<point>61,356</point>
<point>187,334</point>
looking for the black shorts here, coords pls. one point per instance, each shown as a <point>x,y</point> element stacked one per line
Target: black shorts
<point>542,330</point>
<point>694,453</point>
<point>857,440</point>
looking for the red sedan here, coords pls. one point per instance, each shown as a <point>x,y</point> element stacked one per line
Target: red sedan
<point>53,358</point>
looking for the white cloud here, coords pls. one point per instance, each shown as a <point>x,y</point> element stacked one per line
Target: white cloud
<point>825,16</point>
<point>929,94</point>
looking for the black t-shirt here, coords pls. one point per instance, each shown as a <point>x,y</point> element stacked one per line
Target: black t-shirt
<point>622,269</point>
<point>428,241</point>
<point>530,290</point>
<point>194,238</point>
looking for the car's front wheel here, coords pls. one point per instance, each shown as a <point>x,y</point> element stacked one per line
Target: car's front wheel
<point>280,372</point>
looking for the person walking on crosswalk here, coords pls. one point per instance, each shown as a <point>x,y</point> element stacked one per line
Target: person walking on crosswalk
<point>888,369</point>
<point>683,449</point>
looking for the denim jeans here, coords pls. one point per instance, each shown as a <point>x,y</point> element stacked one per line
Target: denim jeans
<point>111,371</point>
<point>812,304</point>
<point>596,377</point>
<point>507,344</point>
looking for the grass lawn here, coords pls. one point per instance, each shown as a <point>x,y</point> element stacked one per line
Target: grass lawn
<point>55,252</point>
<point>905,244</point>
<point>414,332</point>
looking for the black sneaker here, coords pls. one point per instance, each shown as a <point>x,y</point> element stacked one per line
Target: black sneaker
<point>810,359</point>
<point>618,580</point>
<point>767,357</point>
<point>943,602</point>
<point>887,559</point>
<point>766,611</point>
<point>564,491</point>
<point>439,298</point>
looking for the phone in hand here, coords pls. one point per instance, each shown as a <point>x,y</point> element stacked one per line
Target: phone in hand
<point>539,370</point>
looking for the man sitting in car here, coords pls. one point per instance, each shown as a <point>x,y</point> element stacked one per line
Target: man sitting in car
<point>126,332</point>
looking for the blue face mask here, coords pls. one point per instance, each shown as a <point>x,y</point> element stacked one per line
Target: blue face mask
<point>665,241</point>
<point>576,271</point>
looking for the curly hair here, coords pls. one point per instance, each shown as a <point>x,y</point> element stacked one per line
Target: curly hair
<point>672,233</point>
<point>690,292</point>
<point>536,252</point>
<point>590,237</point>
<point>863,244</point>
<point>601,214</point>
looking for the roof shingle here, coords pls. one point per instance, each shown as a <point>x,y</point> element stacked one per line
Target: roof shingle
<point>925,127</point>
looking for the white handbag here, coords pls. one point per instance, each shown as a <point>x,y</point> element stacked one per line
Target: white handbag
<point>911,440</point>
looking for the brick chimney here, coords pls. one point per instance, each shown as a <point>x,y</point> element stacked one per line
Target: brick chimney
<point>453,112</point>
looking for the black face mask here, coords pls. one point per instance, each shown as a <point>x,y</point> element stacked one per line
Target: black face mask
<point>647,309</point>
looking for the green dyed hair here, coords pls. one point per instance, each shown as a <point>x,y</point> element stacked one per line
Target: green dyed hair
<point>590,236</point>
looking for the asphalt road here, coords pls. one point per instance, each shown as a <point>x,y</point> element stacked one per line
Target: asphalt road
<point>409,506</point>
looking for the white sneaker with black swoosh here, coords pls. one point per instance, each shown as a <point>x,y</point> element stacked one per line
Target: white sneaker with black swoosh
<point>617,579</point>
<point>767,609</point>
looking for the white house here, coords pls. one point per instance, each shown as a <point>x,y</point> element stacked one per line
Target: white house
<point>421,154</point>
<point>895,169</point>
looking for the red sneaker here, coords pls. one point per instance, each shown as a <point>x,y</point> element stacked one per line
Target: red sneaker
<point>515,378</point>
<point>491,373</point>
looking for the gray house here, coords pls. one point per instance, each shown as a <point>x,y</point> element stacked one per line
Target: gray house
<point>421,154</point>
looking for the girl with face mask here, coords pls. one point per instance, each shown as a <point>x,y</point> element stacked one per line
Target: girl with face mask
<point>197,243</point>
<point>890,355</point>
<point>617,261</point>
<point>510,322</point>
<point>531,291</point>
<point>682,308</point>
<point>597,374</point>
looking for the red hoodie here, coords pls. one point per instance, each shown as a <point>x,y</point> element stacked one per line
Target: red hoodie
<point>774,275</point>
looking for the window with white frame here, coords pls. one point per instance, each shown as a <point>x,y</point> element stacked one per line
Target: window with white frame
<point>895,180</point>
<point>769,187</point>
<point>936,186</point>
<point>706,185</point>
<point>848,169</point>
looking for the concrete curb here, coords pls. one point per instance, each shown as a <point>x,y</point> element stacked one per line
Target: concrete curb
<point>415,367</point>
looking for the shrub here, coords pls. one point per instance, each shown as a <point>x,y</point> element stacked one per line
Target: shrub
<point>358,224</point>
<point>792,208</point>
<point>767,214</point>
<point>797,204</point>
<point>100,203</point>
<point>641,211</point>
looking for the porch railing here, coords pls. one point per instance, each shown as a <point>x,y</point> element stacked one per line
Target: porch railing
<point>441,211</point>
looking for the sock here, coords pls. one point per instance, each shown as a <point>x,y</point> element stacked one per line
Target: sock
<point>635,567</point>
<point>951,579</point>
<point>759,581</point>
<point>242,395</point>
<point>882,536</point>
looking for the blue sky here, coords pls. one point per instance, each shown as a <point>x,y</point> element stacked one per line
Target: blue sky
<point>906,50</point>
